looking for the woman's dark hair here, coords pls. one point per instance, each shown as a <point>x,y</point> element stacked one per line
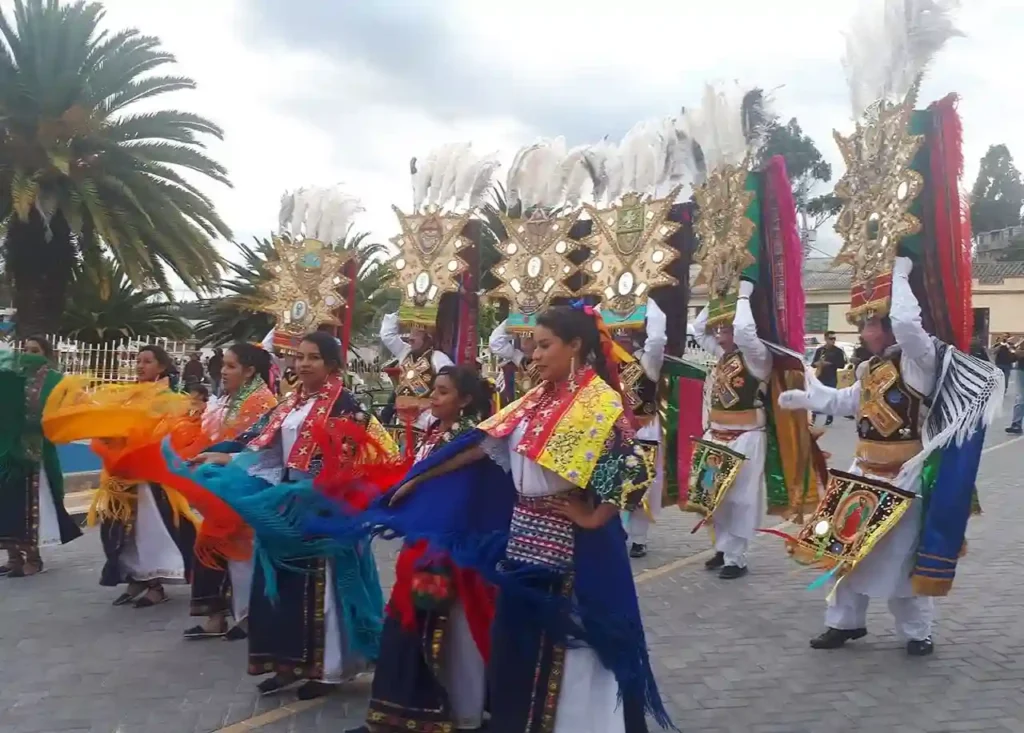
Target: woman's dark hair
<point>44,344</point>
<point>253,356</point>
<point>468,383</point>
<point>330,349</point>
<point>569,323</point>
<point>199,389</point>
<point>170,372</point>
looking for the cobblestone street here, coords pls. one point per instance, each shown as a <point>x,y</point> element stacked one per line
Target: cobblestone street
<point>730,656</point>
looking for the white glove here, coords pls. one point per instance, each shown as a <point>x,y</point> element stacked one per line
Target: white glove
<point>902,266</point>
<point>746,288</point>
<point>794,399</point>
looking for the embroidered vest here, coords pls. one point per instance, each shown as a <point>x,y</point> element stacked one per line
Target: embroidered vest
<point>890,411</point>
<point>733,387</point>
<point>639,390</point>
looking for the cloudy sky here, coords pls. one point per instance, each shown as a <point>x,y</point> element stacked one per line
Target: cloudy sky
<point>316,92</point>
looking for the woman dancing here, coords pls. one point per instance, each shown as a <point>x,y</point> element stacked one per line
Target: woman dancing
<point>430,674</point>
<point>148,540</point>
<point>245,398</point>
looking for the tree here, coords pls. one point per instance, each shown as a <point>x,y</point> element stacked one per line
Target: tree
<point>236,316</point>
<point>81,174</point>
<point>805,166</point>
<point>998,194</point>
<point>104,306</point>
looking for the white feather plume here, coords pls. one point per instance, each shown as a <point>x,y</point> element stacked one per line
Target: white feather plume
<point>576,175</point>
<point>718,128</point>
<point>536,179</point>
<point>453,176</point>
<point>298,213</point>
<point>338,212</point>
<point>597,158</point>
<point>890,44</point>
<point>284,217</point>
<point>315,200</point>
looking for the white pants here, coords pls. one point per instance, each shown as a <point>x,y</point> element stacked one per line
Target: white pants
<point>740,514</point>
<point>465,678</point>
<point>640,521</point>
<point>241,588</point>
<point>733,548</point>
<point>913,614</point>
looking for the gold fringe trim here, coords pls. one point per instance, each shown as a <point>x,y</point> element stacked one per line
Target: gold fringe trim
<point>925,586</point>
<point>115,500</point>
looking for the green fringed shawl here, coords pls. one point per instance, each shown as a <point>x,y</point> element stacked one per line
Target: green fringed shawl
<point>23,448</point>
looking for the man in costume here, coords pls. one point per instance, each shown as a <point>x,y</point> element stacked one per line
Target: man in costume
<point>737,420</point>
<point>417,363</point>
<point>639,378</point>
<point>921,402</point>
<point>517,370</point>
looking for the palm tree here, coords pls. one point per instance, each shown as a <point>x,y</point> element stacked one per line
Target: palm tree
<point>80,174</point>
<point>103,306</point>
<point>236,316</point>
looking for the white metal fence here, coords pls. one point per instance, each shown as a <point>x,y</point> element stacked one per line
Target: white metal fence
<point>111,362</point>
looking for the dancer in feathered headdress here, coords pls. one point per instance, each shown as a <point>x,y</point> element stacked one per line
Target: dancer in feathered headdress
<point>746,223</point>
<point>434,262</point>
<point>893,527</point>
<point>536,235</point>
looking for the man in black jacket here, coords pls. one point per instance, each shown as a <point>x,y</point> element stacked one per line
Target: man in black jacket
<point>827,361</point>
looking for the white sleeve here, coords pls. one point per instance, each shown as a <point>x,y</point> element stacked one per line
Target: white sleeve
<point>700,334</point>
<point>918,363</point>
<point>503,346</point>
<point>390,337</point>
<point>839,402</point>
<point>497,449</point>
<point>439,360</point>
<point>653,355</point>
<point>755,353</point>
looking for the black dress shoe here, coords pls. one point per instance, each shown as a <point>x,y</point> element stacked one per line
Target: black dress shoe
<point>731,572</point>
<point>835,638</point>
<point>715,562</point>
<point>638,550</point>
<point>1014,430</point>
<point>313,689</point>
<point>920,648</point>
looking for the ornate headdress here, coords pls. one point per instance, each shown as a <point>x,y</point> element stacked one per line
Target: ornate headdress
<point>307,278</point>
<point>544,188</point>
<point>887,156</point>
<point>447,185</point>
<point>728,128</point>
<point>628,247</point>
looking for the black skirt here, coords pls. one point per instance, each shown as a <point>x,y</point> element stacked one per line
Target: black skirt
<point>287,636</point>
<point>19,515</point>
<point>211,590</point>
<point>115,535</point>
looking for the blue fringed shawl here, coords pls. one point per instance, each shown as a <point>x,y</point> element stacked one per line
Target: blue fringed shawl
<point>466,514</point>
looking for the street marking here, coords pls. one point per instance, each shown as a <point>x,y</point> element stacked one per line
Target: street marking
<point>272,716</point>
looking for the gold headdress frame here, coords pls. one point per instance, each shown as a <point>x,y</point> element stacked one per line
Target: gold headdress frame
<point>877,192</point>
<point>306,281</point>
<point>534,260</point>
<point>429,262</point>
<point>724,231</point>
<point>629,251</point>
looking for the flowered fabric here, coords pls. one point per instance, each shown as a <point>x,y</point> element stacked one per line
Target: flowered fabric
<point>578,430</point>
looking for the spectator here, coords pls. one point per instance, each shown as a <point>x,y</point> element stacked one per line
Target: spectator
<point>1017,421</point>
<point>1002,355</point>
<point>827,361</point>
<point>978,350</point>
<point>214,367</point>
<point>193,371</point>
<point>860,354</point>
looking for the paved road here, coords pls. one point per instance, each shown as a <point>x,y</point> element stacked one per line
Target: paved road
<point>729,656</point>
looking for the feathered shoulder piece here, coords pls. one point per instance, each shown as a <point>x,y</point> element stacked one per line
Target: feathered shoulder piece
<point>888,49</point>
<point>448,184</point>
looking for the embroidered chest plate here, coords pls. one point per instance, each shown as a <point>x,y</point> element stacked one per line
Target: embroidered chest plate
<point>889,409</point>
<point>733,386</point>
<point>638,389</point>
<point>416,376</point>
